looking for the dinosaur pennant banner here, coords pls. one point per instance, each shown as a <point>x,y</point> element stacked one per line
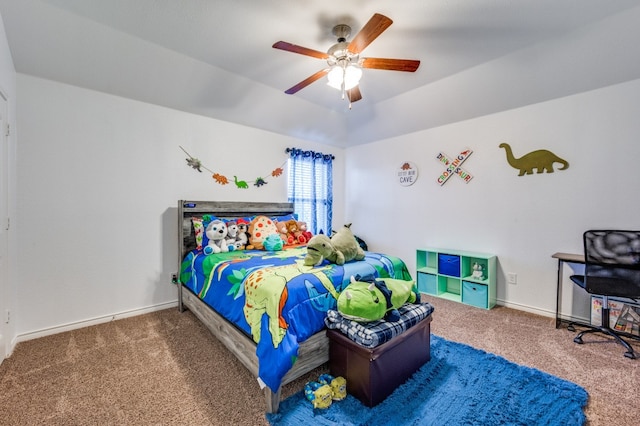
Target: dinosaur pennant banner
<point>196,164</point>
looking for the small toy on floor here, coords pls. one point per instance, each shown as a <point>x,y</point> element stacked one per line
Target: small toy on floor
<point>318,394</point>
<point>338,386</point>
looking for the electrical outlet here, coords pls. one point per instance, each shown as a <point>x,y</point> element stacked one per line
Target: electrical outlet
<point>512,278</point>
<point>174,278</point>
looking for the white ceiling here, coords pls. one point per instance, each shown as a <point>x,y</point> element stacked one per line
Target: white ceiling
<point>214,57</point>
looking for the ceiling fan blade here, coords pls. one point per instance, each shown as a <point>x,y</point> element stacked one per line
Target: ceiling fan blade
<point>304,83</point>
<point>371,30</point>
<point>408,65</point>
<point>283,45</point>
<point>354,94</point>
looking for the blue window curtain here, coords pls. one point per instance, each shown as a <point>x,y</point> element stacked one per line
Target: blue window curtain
<point>311,188</point>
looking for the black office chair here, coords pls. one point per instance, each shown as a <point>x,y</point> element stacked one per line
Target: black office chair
<point>612,268</point>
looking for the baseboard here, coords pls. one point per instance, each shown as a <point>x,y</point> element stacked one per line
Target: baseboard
<point>526,308</point>
<point>89,322</point>
<point>541,312</point>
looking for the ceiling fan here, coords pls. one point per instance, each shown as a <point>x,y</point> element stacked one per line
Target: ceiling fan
<point>345,63</point>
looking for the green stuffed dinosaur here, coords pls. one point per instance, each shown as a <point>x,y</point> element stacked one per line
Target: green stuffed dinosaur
<point>340,248</point>
<point>380,299</point>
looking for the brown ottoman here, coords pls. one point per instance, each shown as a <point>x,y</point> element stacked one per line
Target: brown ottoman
<point>374,373</point>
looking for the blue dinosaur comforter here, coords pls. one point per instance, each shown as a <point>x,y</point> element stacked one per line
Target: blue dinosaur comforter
<point>274,298</point>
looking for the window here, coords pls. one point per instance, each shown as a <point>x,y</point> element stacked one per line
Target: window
<point>311,188</point>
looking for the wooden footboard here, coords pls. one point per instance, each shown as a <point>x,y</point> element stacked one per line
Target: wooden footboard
<point>311,354</point>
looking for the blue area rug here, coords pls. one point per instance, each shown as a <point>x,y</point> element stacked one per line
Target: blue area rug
<point>461,385</point>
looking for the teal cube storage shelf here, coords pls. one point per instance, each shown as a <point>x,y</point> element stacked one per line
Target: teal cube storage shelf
<point>451,274</point>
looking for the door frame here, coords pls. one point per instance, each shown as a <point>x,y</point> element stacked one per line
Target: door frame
<point>5,302</point>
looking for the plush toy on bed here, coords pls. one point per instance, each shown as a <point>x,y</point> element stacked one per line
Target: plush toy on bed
<point>216,232</point>
<point>232,234</point>
<point>242,238</point>
<point>339,249</point>
<point>380,298</point>
<point>293,232</point>
<point>304,232</point>
<point>273,242</point>
<point>259,229</point>
<point>282,231</point>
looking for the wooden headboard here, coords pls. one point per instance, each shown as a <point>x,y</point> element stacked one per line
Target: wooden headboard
<point>224,210</point>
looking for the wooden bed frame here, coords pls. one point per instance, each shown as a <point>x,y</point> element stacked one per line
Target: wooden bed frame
<point>312,353</point>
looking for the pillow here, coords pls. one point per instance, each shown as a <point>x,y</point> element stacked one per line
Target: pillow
<point>285,218</point>
<point>198,231</point>
<point>199,226</point>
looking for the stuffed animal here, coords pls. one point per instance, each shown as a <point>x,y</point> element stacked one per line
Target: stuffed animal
<point>282,230</point>
<point>304,232</point>
<point>293,232</point>
<point>340,248</point>
<point>242,238</point>
<point>273,242</point>
<point>477,271</point>
<point>259,228</point>
<point>232,234</point>
<point>366,301</point>
<point>216,231</point>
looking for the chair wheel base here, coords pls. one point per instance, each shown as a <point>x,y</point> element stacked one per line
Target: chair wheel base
<point>578,340</point>
<point>571,328</point>
<point>630,355</point>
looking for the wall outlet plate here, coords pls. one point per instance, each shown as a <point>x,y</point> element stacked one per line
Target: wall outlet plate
<point>512,278</point>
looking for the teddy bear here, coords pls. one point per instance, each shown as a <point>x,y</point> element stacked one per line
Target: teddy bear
<point>282,231</point>
<point>232,234</point>
<point>216,232</point>
<point>242,238</point>
<point>293,232</point>
<point>304,232</point>
<point>340,248</point>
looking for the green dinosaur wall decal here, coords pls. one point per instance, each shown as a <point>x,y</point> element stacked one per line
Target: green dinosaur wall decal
<point>542,160</point>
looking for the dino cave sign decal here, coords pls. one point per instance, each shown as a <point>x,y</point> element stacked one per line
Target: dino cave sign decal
<point>407,173</point>
<point>541,160</point>
<point>453,167</point>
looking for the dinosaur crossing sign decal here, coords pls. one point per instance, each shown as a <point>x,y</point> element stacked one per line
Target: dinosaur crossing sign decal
<point>453,167</point>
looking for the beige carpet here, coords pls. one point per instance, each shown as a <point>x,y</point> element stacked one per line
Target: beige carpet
<point>165,368</point>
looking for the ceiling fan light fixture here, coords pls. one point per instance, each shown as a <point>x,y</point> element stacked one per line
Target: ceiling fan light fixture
<point>349,75</point>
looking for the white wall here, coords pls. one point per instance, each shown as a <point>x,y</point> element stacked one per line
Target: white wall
<point>523,220</point>
<point>99,178</point>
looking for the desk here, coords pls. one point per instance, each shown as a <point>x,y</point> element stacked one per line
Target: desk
<point>562,259</point>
